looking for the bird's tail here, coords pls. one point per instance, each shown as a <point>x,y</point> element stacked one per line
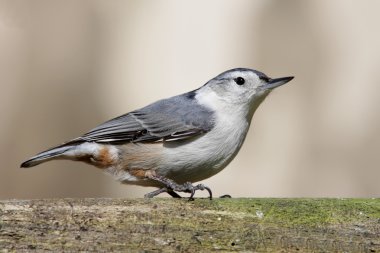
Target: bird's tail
<point>53,153</point>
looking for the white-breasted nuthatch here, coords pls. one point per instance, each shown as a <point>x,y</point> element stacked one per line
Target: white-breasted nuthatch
<point>177,141</point>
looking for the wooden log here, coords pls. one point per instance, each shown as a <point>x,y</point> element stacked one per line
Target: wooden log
<point>175,225</point>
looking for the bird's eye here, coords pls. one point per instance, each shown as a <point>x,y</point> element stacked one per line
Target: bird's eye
<point>239,80</point>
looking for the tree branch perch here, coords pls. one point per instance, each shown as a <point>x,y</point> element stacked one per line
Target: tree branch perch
<point>170,225</point>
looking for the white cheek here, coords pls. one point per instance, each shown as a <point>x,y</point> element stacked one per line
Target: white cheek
<point>228,105</point>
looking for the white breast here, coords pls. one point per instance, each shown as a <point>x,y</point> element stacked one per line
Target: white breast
<point>207,155</point>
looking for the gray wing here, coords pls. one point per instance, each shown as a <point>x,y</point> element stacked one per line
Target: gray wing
<point>170,119</point>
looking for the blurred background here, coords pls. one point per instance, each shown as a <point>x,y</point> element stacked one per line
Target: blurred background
<point>66,66</point>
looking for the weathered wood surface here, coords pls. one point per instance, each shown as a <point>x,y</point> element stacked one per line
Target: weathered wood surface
<point>172,225</point>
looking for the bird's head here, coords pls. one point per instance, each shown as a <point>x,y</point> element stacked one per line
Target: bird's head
<point>243,85</point>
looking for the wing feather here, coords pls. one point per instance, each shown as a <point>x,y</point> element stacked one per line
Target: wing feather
<point>172,119</point>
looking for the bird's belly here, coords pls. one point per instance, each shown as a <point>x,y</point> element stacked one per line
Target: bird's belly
<point>202,157</point>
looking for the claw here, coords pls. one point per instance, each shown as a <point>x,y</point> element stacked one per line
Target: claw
<point>201,187</point>
<point>192,194</point>
<point>209,191</point>
<point>171,187</point>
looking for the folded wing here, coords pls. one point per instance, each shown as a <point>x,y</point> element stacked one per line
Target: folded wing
<point>176,118</point>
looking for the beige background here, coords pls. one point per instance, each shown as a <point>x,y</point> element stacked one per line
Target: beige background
<point>66,66</point>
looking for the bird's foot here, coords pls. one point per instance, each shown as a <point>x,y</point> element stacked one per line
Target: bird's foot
<point>172,187</point>
<point>190,188</point>
<point>162,190</point>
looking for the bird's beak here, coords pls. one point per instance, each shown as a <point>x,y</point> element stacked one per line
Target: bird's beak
<point>274,83</point>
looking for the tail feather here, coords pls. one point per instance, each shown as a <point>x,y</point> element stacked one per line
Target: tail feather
<point>47,155</point>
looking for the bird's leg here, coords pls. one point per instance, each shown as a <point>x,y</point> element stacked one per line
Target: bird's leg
<point>171,187</point>
<point>155,193</point>
<point>161,190</point>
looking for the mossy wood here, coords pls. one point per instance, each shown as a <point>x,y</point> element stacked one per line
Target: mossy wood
<point>174,225</point>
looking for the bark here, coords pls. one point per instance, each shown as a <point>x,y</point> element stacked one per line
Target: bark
<point>175,225</point>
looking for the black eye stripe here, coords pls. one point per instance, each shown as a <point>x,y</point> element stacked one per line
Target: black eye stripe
<point>239,80</point>
<point>264,78</point>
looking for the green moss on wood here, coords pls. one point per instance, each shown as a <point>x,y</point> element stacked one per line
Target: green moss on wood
<point>179,225</point>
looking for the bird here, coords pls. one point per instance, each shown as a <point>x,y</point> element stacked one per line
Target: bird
<point>174,142</point>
